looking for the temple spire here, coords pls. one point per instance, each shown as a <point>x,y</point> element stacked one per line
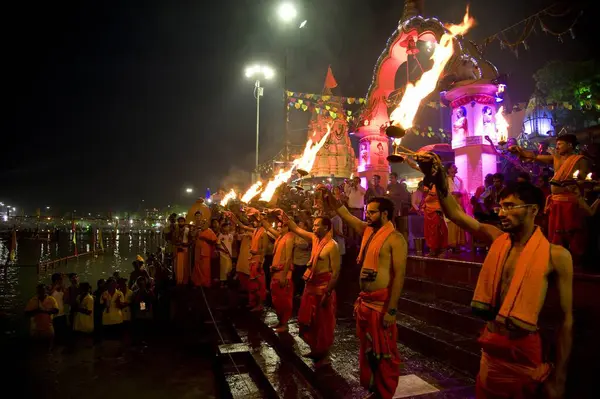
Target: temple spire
<point>412,8</point>
<point>330,82</point>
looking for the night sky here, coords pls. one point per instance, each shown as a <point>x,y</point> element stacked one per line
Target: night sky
<point>112,102</point>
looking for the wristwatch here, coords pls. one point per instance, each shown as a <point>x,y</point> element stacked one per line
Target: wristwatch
<point>392,312</point>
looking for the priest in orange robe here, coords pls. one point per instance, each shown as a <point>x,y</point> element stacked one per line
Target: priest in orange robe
<point>205,242</point>
<point>282,287</point>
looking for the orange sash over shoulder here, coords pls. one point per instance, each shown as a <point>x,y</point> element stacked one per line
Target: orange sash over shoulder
<point>565,172</point>
<point>523,300</point>
<point>279,259</point>
<point>317,247</point>
<point>256,237</point>
<point>369,256</point>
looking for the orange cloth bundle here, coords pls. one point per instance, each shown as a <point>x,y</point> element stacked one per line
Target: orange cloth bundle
<point>523,300</point>
<point>370,259</point>
<point>317,247</point>
<point>565,172</point>
<point>279,251</point>
<point>256,237</point>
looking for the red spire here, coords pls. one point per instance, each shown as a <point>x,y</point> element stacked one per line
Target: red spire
<point>330,82</point>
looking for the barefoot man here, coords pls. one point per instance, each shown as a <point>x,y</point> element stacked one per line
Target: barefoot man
<point>257,291</point>
<point>511,291</point>
<point>382,259</point>
<point>316,315</point>
<point>282,288</point>
<point>565,221</point>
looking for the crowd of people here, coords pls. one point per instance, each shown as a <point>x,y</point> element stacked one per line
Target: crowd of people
<point>295,245</point>
<point>68,311</point>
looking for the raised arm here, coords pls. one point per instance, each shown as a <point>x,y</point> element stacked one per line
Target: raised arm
<point>238,223</point>
<point>334,204</point>
<point>530,155</point>
<point>269,228</point>
<point>563,266</point>
<point>305,235</point>
<point>451,208</point>
<point>399,250</point>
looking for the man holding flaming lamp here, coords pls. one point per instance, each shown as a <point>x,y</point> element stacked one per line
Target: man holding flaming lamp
<point>382,259</point>
<point>316,315</point>
<point>511,291</point>
<point>281,287</point>
<point>566,219</point>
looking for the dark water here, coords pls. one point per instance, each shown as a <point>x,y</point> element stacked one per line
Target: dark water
<point>18,280</point>
<point>175,363</point>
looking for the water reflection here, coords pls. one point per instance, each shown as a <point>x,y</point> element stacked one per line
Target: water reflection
<point>18,281</point>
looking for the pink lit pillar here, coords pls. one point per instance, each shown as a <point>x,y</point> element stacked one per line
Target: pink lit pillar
<point>473,109</point>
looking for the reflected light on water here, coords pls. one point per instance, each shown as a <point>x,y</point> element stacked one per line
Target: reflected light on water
<point>18,280</point>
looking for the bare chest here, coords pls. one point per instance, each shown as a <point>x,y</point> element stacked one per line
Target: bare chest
<point>508,273</point>
<point>382,279</point>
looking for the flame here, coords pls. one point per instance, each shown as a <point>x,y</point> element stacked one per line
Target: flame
<point>279,179</point>
<point>405,113</point>
<point>307,160</point>
<point>252,192</point>
<point>576,174</point>
<point>589,176</point>
<point>501,126</point>
<point>229,196</point>
<point>351,175</point>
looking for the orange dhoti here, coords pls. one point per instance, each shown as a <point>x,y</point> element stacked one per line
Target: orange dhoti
<point>257,291</point>
<point>510,367</point>
<point>435,230</point>
<point>282,298</point>
<point>182,265</point>
<point>317,322</point>
<point>379,360</point>
<point>565,222</point>
<point>201,273</point>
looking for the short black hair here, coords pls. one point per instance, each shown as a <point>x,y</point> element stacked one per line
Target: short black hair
<point>85,287</point>
<point>498,176</point>
<point>524,175</point>
<point>568,138</point>
<point>526,192</point>
<point>394,174</point>
<point>325,221</point>
<point>56,277</point>
<point>385,204</point>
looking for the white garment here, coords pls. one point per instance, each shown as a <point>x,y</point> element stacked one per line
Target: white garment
<point>356,196</point>
<point>227,241</point>
<point>416,198</point>
<point>455,185</point>
<point>186,235</point>
<point>60,301</point>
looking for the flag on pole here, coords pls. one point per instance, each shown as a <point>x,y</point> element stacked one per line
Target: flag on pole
<point>74,230</point>
<point>330,82</point>
<point>13,246</point>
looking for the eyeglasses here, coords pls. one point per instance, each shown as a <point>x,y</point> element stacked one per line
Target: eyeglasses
<point>510,207</point>
<point>372,212</point>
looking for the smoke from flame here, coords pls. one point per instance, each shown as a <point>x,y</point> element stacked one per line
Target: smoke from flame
<point>229,196</point>
<point>404,114</point>
<point>252,192</point>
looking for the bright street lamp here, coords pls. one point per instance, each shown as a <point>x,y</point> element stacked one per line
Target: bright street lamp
<point>287,12</point>
<point>189,190</point>
<point>257,72</point>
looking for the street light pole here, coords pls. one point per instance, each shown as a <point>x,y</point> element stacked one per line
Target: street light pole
<point>258,94</point>
<point>267,73</point>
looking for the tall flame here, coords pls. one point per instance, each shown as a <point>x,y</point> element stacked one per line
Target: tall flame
<point>229,196</point>
<point>501,126</point>
<point>279,179</point>
<point>252,192</point>
<point>404,114</point>
<point>576,174</point>
<point>307,160</point>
